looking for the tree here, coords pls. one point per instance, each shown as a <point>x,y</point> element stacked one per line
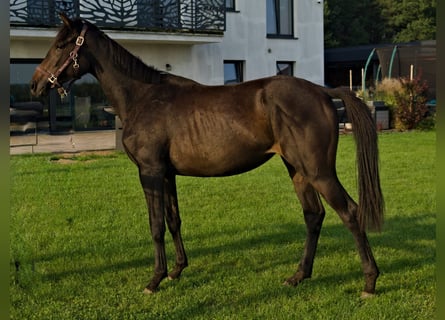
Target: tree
<point>408,20</point>
<point>350,22</point>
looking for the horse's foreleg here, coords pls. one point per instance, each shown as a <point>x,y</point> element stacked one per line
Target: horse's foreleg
<point>313,216</point>
<point>174,225</point>
<point>153,189</point>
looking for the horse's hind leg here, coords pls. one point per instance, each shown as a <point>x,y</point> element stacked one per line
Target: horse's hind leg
<point>174,225</point>
<point>341,202</point>
<point>314,213</point>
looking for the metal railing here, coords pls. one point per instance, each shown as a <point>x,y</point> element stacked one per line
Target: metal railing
<point>204,16</point>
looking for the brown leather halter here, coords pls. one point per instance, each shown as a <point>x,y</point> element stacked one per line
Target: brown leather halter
<point>52,78</point>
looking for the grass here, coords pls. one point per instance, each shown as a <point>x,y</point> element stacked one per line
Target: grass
<point>81,249</point>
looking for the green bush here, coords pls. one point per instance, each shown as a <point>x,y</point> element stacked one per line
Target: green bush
<point>406,100</point>
<point>411,104</point>
<point>427,123</point>
<point>385,91</point>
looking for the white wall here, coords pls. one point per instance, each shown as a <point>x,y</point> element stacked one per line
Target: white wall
<point>29,48</point>
<point>245,39</point>
<point>310,53</point>
<point>178,56</point>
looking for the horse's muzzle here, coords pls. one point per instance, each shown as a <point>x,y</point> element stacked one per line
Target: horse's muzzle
<point>38,88</point>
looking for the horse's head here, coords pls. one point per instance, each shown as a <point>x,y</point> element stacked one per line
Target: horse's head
<point>65,61</point>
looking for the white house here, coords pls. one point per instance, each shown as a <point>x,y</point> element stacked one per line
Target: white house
<point>210,41</point>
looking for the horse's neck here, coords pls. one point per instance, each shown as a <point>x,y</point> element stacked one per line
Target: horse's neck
<point>119,87</point>
<point>115,93</point>
<point>118,91</point>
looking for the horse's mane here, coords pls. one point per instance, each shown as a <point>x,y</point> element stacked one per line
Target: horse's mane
<point>126,62</point>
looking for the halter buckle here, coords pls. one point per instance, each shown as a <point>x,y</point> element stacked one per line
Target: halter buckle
<point>80,40</point>
<point>52,78</point>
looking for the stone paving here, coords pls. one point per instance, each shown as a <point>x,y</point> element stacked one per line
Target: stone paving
<point>68,142</point>
<point>62,143</point>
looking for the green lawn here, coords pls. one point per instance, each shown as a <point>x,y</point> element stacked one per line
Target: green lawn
<point>81,249</point>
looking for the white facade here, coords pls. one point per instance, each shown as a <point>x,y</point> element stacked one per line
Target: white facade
<point>245,39</point>
<point>201,57</point>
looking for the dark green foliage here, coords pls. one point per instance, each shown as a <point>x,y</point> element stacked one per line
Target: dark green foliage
<point>349,22</point>
<point>408,20</point>
<point>411,103</point>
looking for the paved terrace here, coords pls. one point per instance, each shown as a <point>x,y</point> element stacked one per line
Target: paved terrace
<point>70,142</point>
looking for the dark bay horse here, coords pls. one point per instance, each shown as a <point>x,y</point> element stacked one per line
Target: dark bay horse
<point>176,126</point>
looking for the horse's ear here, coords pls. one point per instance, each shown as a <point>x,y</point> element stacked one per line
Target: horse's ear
<point>66,21</point>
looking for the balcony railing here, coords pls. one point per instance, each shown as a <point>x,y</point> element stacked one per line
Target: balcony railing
<point>204,16</point>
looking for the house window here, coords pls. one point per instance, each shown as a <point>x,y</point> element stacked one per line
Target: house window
<point>280,19</point>
<point>233,72</point>
<point>230,5</point>
<point>285,68</point>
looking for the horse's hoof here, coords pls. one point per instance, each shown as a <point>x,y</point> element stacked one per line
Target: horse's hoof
<point>287,284</point>
<point>367,295</point>
<point>148,291</point>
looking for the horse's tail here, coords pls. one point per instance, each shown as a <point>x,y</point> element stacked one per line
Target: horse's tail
<point>371,203</point>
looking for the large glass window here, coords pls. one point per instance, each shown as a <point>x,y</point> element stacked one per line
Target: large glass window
<point>233,72</point>
<point>82,109</point>
<point>25,110</point>
<point>280,18</point>
<point>89,101</point>
<point>19,77</point>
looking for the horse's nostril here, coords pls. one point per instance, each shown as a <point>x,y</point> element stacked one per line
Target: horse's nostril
<point>33,86</point>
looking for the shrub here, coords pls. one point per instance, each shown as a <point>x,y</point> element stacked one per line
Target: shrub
<point>411,103</point>
<point>385,91</point>
<point>427,123</point>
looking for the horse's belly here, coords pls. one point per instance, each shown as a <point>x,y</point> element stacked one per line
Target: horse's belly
<point>221,159</point>
<point>208,143</point>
